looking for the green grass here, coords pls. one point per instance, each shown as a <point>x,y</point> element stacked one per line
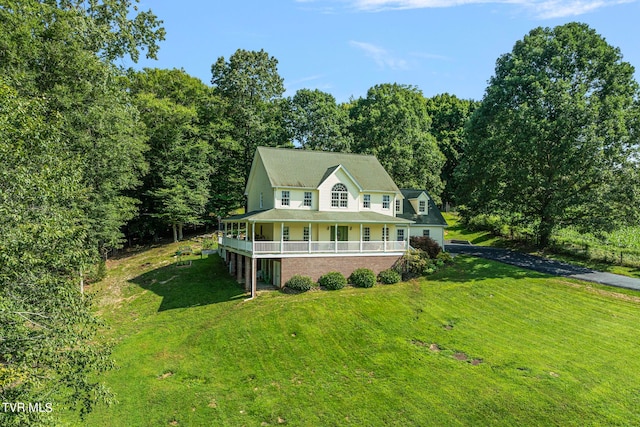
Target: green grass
<point>191,352</point>
<point>456,231</point>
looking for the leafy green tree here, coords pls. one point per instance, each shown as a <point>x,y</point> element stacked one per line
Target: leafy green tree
<point>393,124</point>
<point>556,137</point>
<point>60,51</point>
<point>47,346</point>
<point>449,116</point>
<point>176,189</point>
<point>70,146</point>
<point>317,122</point>
<point>250,90</point>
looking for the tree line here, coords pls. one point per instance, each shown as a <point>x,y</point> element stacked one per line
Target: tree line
<point>92,154</point>
<point>201,139</point>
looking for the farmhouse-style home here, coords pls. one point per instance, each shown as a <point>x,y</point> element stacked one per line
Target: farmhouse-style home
<point>311,212</point>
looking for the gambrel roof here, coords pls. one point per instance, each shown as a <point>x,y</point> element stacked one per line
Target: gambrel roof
<point>308,169</point>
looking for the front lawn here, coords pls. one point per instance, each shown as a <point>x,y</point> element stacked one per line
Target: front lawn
<point>479,343</point>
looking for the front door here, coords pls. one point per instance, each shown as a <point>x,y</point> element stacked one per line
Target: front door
<point>343,233</point>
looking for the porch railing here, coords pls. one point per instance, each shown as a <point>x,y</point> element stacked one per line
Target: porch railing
<point>315,247</point>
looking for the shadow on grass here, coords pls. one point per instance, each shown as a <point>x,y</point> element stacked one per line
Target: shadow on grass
<point>468,268</point>
<point>206,281</point>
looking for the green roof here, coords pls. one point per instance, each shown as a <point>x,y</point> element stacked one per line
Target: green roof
<point>294,215</point>
<point>433,217</point>
<point>308,169</point>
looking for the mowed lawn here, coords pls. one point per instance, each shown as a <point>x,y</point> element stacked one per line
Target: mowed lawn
<point>479,343</point>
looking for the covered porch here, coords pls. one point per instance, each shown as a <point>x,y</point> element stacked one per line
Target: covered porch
<point>290,232</point>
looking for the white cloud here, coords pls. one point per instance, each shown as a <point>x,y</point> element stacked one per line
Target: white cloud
<point>381,56</point>
<point>541,8</point>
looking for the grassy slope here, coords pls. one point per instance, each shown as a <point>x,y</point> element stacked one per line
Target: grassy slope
<point>191,352</point>
<point>455,231</point>
<point>485,238</point>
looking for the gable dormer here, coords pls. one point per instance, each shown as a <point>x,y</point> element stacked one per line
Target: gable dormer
<point>420,204</point>
<point>338,190</point>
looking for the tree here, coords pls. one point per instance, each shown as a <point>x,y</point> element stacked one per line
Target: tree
<point>60,51</point>
<point>449,116</point>
<point>251,91</point>
<point>393,124</point>
<point>70,146</point>
<point>316,122</point>
<point>556,137</point>
<point>48,349</point>
<point>176,189</point>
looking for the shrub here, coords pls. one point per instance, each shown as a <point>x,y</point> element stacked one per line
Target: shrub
<point>427,244</point>
<point>445,257</point>
<point>363,278</point>
<point>300,283</point>
<point>389,277</point>
<point>333,280</point>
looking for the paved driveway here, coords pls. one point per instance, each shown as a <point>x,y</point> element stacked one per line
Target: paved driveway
<point>545,265</point>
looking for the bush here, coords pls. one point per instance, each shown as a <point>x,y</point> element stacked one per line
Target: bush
<point>445,257</point>
<point>389,277</point>
<point>363,278</point>
<point>427,244</point>
<point>300,283</point>
<point>333,281</point>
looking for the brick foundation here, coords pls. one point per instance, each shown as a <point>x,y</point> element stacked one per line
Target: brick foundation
<point>316,267</point>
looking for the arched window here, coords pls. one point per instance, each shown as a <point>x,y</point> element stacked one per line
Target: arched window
<point>339,196</point>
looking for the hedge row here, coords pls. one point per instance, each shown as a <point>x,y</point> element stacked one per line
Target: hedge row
<point>362,277</point>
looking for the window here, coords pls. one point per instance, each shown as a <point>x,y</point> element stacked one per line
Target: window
<point>385,201</point>
<point>305,234</point>
<point>339,196</point>
<point>400,234</point>
<point>397,205</point>
<point>366,201</point>
<point>422,206</point>
<point>307,198</point>
<point>366,234</point>
<point>284,200</point>
<point>261,200</point>
<point>425,233</point>
<point>285,234</point>
<point>385,233</point>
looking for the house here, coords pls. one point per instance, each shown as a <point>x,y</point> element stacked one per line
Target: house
<point>311,212</point>
<point>427,219</point>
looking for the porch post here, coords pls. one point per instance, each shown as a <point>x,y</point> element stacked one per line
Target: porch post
<point>254,281</point>
<point>384,237</point>
<point>335,238</point>
<point>281,237</point>
<point>247,275</point>
<point>408,237</point>
<point>360,237</point>
<point>239,267</point>
<point>310,234</point>
<point>253,238</point>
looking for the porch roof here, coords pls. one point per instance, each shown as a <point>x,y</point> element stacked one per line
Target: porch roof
<point>292,215</point>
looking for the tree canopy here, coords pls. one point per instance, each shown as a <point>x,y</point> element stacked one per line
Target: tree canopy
<point>317,122</point>
<point>71,146</point>
<point>250,90</point>
<point>555,140</point>
<point>393,124</point>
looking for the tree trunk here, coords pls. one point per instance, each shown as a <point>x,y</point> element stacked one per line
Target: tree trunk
<point>180,231</point>
<point>175,232</point>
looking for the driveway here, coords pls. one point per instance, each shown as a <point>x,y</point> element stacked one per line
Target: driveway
<point>544,265</point>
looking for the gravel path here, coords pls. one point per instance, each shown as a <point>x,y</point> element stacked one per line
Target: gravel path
<point>545,265</point>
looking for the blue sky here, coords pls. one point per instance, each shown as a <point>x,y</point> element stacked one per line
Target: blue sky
<point>344,47</point>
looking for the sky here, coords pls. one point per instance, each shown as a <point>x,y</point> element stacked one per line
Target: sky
<point>345,47</point>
